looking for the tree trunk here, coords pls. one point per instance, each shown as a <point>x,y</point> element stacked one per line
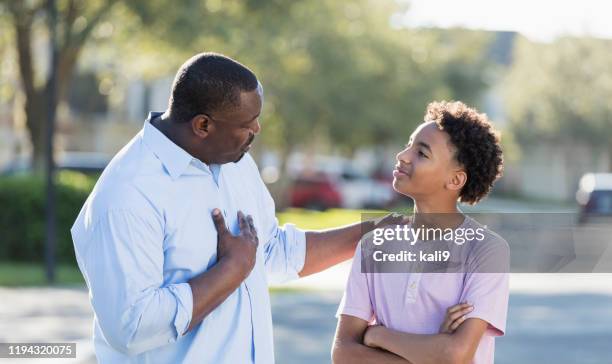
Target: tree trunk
<point>34,97</point>
<point>36,117</point>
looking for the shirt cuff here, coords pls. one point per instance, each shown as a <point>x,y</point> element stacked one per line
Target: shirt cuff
<point>184,307</point>
<point>297,251</point>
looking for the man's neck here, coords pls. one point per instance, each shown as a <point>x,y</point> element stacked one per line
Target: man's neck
<point>165,124</point>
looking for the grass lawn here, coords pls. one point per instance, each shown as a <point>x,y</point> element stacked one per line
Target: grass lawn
<point>33,274</point>
<point>308,219</point>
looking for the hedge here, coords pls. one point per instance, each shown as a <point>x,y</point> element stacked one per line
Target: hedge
<point>22,215</point>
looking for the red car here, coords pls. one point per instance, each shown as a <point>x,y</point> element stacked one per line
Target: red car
<point>314,191</point>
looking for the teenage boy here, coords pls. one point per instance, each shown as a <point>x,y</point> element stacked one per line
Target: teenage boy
<point>454,155</point>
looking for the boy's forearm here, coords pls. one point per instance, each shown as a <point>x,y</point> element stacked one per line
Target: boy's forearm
<point>353,352</point>
<point>422,349</point>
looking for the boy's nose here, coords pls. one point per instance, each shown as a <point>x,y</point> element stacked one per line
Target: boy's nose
<point>403,156</point>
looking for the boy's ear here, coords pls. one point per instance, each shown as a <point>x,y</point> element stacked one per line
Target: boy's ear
<point>457,180</point>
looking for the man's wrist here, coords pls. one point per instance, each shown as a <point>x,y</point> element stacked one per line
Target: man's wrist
<point>232,270</point>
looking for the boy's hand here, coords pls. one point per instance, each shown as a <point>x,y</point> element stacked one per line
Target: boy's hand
<point>370,338</point>
<point>455,315</point>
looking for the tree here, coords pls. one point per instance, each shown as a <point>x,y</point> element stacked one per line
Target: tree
<point>561,92</point>
<point>332,70</point>
<point>76,21</point>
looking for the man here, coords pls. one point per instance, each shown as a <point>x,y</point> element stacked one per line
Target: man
<point>178,240</point>
<point>454,155</point>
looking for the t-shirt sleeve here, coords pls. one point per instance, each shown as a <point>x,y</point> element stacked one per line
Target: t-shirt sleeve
<point>488,290</point>
<point>356,299</point>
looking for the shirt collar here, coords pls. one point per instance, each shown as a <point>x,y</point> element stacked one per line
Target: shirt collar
<point>174,158</point>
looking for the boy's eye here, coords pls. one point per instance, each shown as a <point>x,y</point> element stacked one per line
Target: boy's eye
<point>421,154</point>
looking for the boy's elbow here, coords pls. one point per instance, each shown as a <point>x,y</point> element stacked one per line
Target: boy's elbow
<point>341,353</point>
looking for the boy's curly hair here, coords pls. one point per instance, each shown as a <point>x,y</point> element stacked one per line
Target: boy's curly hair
<point>477,146</point>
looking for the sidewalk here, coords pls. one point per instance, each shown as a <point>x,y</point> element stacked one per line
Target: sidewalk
<point>45,315</point>
<point>565,328</point>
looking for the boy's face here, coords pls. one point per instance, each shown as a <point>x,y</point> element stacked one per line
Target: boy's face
<point>427,167</point>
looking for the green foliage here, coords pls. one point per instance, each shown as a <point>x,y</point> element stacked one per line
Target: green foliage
<point>22,221</point>
<point>561,91</point>
<point>332,70</point>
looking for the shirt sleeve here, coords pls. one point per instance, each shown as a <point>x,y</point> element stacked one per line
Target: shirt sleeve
<point>487,289</point>
<point>121,257</point>
<point>284,246</point>
<point>285,253</point>
<point>356,299</point>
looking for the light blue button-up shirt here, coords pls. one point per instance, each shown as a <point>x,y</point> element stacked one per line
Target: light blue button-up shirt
<point>146,229</point>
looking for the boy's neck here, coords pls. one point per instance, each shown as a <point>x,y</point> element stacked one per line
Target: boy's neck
<point>437,213</point>
<point>432,206</point>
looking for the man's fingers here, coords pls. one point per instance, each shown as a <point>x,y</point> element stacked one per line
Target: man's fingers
<point>219,221</point>
<point>254,236</point>
<point>252,224</point>
<point>244,226</point>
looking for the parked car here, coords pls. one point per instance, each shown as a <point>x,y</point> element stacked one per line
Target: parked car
<point>314,191</point>
<point>88,163</point>
<point>594,196</point>
<point>323,182</point>
<point>361,191</point>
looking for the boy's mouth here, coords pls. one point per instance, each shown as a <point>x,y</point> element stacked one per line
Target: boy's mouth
<point>399,172</point>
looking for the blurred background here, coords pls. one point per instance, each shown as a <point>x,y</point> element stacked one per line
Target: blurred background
<point>345,84</point>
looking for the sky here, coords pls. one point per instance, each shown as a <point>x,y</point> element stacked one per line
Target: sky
<point>539,20</point>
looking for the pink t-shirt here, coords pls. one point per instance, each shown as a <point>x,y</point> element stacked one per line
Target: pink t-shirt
<point>417,302</point>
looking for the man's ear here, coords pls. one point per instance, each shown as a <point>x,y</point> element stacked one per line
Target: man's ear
<point>457,180</point>
<point>201,125</point>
